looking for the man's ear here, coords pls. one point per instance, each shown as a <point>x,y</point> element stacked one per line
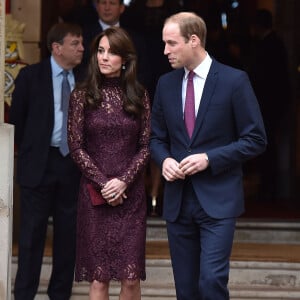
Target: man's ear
<point>122,8</point>
<point>195,41</point>
<point>56,47</point>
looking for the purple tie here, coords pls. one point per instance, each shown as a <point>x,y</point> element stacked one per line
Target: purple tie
<point>189,108</point>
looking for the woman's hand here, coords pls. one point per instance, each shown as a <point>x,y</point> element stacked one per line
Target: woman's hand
<point>114,192</point>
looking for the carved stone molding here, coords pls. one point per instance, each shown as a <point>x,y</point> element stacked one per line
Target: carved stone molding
<point>2,45</point>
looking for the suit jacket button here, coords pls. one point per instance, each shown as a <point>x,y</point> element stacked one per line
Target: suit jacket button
<point>189,150</point>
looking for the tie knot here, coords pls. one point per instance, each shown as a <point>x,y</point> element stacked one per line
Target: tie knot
<point>65,73</point>
<point>191,75</point>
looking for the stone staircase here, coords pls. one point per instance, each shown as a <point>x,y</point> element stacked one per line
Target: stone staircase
<point>265,264</point>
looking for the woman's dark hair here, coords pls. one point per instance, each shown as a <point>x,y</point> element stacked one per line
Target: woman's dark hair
<point>133,92</point>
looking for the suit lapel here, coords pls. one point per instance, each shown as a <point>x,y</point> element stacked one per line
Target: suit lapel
<point>208,90</point>
<point>46,89</point>
<point>174,104</point>
<point>178,104</point>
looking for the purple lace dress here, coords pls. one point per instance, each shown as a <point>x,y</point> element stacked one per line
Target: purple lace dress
<point>106,142</point>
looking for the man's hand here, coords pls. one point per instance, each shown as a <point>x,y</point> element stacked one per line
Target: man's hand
<point>171,170</point>
<point>193,164</point>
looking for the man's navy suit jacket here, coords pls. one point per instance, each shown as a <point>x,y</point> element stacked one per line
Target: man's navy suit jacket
<point>229,128</point>
<point>32,113</point>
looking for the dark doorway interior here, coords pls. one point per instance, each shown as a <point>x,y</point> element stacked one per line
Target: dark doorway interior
<point>230,40</point>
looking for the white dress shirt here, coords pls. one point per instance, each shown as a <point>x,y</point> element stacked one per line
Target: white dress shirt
<point>200,76</point>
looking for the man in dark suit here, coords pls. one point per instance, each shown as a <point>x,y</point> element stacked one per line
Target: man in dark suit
<point>202,161</point>
<point>48,179</point>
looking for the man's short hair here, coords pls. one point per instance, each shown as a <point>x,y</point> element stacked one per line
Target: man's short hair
<point>59,31</point>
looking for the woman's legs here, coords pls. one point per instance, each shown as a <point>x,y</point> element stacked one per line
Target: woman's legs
<point>99,290</point>
<point>130,290</point>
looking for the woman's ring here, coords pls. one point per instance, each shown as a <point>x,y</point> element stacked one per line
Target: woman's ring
<point>113,195</point>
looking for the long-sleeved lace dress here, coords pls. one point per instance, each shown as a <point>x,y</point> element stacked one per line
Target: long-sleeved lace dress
<point>105,143</point>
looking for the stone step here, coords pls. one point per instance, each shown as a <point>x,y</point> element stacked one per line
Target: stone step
<point>250,231</point>
<point>265,264</point>
<point>248,280</point>
<point>247,230</point>
<point>159,283</point>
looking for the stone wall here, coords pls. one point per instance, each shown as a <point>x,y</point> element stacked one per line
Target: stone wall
<point>6,207</point>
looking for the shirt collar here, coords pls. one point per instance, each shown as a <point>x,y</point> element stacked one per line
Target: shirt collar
<point>202,69</point>
<point>105,25</point>
<point>56,68</point>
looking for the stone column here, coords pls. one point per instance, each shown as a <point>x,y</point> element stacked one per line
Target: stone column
<point>2,57</point>
<point>6,207</point>
<point>6,177</point>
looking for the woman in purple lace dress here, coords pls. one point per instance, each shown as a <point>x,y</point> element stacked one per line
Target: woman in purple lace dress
<point>108,134</point>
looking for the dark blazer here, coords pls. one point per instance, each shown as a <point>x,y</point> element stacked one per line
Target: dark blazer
<point>32,113</point>
<point>229,128</point>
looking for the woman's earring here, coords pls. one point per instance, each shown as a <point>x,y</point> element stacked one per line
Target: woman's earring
<point>123,67</point>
